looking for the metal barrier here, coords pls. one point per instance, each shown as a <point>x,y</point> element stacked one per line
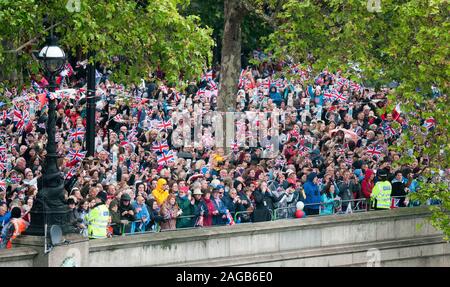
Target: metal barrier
<point>356,205</point>
<point>399,201</point>
<point>283,212</point>
<point>361,205</point>
<point>236,216</point>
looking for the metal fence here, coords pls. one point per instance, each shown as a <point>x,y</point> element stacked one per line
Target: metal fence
<point>339,207</point>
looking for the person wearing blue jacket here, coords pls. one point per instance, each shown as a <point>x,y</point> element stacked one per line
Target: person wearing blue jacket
<point>328,199</point>
<point>142,214</point>
<point>220,218</point>
<point>312,193</point>
<point>275,95</point>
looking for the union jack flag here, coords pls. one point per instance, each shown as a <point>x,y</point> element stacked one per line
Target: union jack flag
<point>77,134</point>
<point>2,184</point>
<point>329,96</point>
<point>355,86</point>
<point>178,96</point>
<point>75,155</point>
<point>166,158</point>
<point>341,98</point>
<point>132,137</point>
<point>3,149</point>
<point>2,165</point>
<point>279,83</point>
<point>164,125</point>
<point>303,150</point>
<point>395,202</point>
<point>20,118</point>
<point>160,147</point>
<point>241,79</point>
<point>389,131</point>
<point>342,82</point>
<point>348,161</point>
<point>429,123</point>
<point>201,92</point>
<point>266,83</point>
<point>72,172</point>
<point>42,126</point>
<point>6,115</point>
<point>280,162</point>
<point>118,118</point>
<point>33,99</point>
<point>67,122</point>
<point>212,84</point>
<point>341,151</point>
<point>57,137</point>
<point>230,220</point>
<point>207,76</point>
<point>52,96</point>
<point>375,151</point>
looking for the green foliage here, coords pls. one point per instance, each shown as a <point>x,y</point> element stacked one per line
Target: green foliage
<point>147,35</point>
<point>212,15</point>
<point>408,42</point>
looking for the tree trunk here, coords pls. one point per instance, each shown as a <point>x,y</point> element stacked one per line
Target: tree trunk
<point>231,60</point>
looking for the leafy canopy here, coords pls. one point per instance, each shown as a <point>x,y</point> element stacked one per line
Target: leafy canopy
<point>147,34</point>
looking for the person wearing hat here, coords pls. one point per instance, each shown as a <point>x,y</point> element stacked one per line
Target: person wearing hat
<point>382,190</point>
<point>200,208</point>
<point>127,213</point>
<point>13,228</point>
<point>98,217</point>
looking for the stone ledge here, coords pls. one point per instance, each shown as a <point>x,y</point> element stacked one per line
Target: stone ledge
<point>337,250</point>
<point>283,225</point>
<point>18,253</point>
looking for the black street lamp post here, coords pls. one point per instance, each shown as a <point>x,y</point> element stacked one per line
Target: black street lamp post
<point>50,207</point>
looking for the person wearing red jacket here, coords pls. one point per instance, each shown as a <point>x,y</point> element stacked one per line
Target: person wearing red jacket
<point>207,220</point>
<point>367,183</point>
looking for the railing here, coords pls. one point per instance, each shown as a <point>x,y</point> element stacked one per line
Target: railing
<point>238,216</point>
<point>399,201</point>
<point>350,206</point>
<point>361,205</point>
<point>284,212</point>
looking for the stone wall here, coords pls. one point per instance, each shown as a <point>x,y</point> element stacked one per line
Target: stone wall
<point>279,243</point>
<point>381,238</point>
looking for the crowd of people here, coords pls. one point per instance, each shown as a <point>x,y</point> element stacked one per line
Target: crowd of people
<point>331,136</point>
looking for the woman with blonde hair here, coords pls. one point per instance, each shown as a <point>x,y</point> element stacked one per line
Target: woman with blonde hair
<point>170,211</point>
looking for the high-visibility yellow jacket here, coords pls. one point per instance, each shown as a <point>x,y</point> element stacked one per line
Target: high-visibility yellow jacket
<point>159,193</point>
<point>98,219</point>
<point>382,193</point>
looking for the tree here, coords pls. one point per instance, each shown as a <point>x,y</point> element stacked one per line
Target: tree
<point>407,41</point>
<point>149,35</point>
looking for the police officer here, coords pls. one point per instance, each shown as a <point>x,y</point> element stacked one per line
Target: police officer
<point>98,217</point>
<point>381,192</point>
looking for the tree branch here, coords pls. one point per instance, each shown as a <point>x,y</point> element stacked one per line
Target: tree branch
<point>250,8</point>
<point>32,40</point>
